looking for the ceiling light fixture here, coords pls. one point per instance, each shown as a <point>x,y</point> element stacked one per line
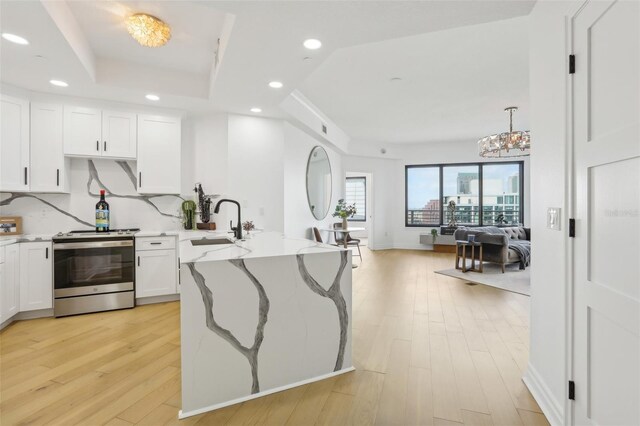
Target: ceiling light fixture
<point>275,85</point>
<point>152,97</point>
<point>148,30</point>
<point>312,44</point>
<point>256,109</point>
<point>59,83</point>
<point>15,39</point>
<point>513,143</point>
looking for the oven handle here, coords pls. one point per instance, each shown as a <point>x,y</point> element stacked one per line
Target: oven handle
<point>92,244</point>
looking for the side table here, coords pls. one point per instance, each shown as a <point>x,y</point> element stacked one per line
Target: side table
<point>463,245</point>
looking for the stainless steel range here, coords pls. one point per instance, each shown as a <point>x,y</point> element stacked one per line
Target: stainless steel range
<point>93,271</point>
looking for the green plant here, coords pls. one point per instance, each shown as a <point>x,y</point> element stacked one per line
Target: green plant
<point>434,235</point>
<point>189,214</point>
<point>343,210</point>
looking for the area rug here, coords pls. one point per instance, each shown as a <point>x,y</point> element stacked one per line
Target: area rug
<point>513,279</point>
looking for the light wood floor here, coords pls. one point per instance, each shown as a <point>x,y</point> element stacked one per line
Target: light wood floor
<point>429,350</point>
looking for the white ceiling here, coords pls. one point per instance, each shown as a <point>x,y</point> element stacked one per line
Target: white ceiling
<point>86,44</point>
<point>454,84</point>
<point>195,30</point>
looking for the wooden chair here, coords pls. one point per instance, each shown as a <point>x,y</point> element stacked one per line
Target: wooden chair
<point>350,241</point>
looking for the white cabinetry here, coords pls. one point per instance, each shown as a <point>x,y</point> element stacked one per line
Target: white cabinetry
<point>82,131</point>
<point>10,281</point>
<point>14,144</point>
<point>159,140</point>
<point>156,267</point>
<point>118,134</point>
<point>36,276</point>
<point>90,132</point>
<point>49,168</point>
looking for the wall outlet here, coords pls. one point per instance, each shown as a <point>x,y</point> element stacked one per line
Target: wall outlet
<point>553,218</point>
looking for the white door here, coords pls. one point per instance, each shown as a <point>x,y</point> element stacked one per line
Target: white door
<point>606,369</point>
<point>82,131</point>
<point>118,134</point>
<point>36,276</point>
<point>10,285</point>
<point>14,144</point>
<point>156,273</point>
<point>48,171</point>
<point>159,141</point>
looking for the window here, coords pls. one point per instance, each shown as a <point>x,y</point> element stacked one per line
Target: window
<point>422,196</point>
<point>484,194</point>
<point>356,193</point>
<point>460,184</point>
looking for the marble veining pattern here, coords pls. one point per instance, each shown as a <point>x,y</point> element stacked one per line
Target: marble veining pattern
<point>334,293</point>
<point>251,353</point>
<point>74,205</point>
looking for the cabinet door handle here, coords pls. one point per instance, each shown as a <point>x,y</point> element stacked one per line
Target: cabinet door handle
<point>97,145</point>
<point>25,175</point>
<point>57,177</point>
<point>105,145</point>
<point>138,260</point>
<point>156,243</point>
<point>46,253</point>
<point>140,180</point>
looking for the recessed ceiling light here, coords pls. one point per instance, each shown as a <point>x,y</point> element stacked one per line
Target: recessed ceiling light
<point>59,83</point>
<point>153,97</point>
<point>14,38</point>
<point>275,84</point>
<point>312,44</point>
<point>256,109</point>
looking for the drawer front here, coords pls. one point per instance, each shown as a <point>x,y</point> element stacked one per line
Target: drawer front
<point>2,254</point>
<point>155,243</point>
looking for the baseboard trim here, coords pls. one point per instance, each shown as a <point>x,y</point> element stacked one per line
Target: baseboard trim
<point>157,299</point>
<point>27,315</point>
<point>543,396</point>
<point>185,414</point>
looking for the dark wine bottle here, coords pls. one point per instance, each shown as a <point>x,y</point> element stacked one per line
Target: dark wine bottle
<point>102,214</point>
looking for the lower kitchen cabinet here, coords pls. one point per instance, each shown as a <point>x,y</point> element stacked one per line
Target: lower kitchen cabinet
<point>36,276</point>
<point>10,286</point>
<point>156,273</point>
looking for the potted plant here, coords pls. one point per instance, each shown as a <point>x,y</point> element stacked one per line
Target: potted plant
<point>434,235</point>
<point>344,211</point>
<point>189,214</point>
<point>248,226</point>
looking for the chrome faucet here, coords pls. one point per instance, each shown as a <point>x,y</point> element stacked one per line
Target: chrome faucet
<point>237,231</point>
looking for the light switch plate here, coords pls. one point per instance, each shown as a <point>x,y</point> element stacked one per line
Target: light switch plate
<point>553,218</point>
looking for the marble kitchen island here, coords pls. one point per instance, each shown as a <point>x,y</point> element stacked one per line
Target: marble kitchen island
<point>260,316</point>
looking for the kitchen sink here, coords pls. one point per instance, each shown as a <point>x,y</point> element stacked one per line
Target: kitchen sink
<point>211,241</point>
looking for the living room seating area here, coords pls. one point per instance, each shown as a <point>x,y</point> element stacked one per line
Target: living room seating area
<point>502,245</point>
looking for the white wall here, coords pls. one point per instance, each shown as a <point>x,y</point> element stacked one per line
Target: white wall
<point>256,170</point>
<point>298,219</point>
<point>547,374</point>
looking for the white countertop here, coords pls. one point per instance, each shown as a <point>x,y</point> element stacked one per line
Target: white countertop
<point>6,240</point>
<point>140,234</point>
<point>261,244</point>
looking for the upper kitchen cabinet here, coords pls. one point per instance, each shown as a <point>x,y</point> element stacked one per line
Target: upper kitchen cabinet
<point>118,134</point>
<point>49,168</point>
<point>90,132</point>
<point>82,131</point>
<point>14,144</point>
<point>159,140</point>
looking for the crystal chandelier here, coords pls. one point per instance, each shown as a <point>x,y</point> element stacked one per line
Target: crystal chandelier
<point>508,144</point>
<point>148,30</point>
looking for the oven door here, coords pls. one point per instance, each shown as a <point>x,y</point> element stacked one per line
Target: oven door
<point>93,267</point>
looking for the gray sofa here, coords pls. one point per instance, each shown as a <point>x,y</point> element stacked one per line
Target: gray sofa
<point>496,243</point>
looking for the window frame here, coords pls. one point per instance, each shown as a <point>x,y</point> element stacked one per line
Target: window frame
<point>480,166</point>
<point>364,178</point>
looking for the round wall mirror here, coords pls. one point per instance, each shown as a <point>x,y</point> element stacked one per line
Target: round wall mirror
<point>319,182</point>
